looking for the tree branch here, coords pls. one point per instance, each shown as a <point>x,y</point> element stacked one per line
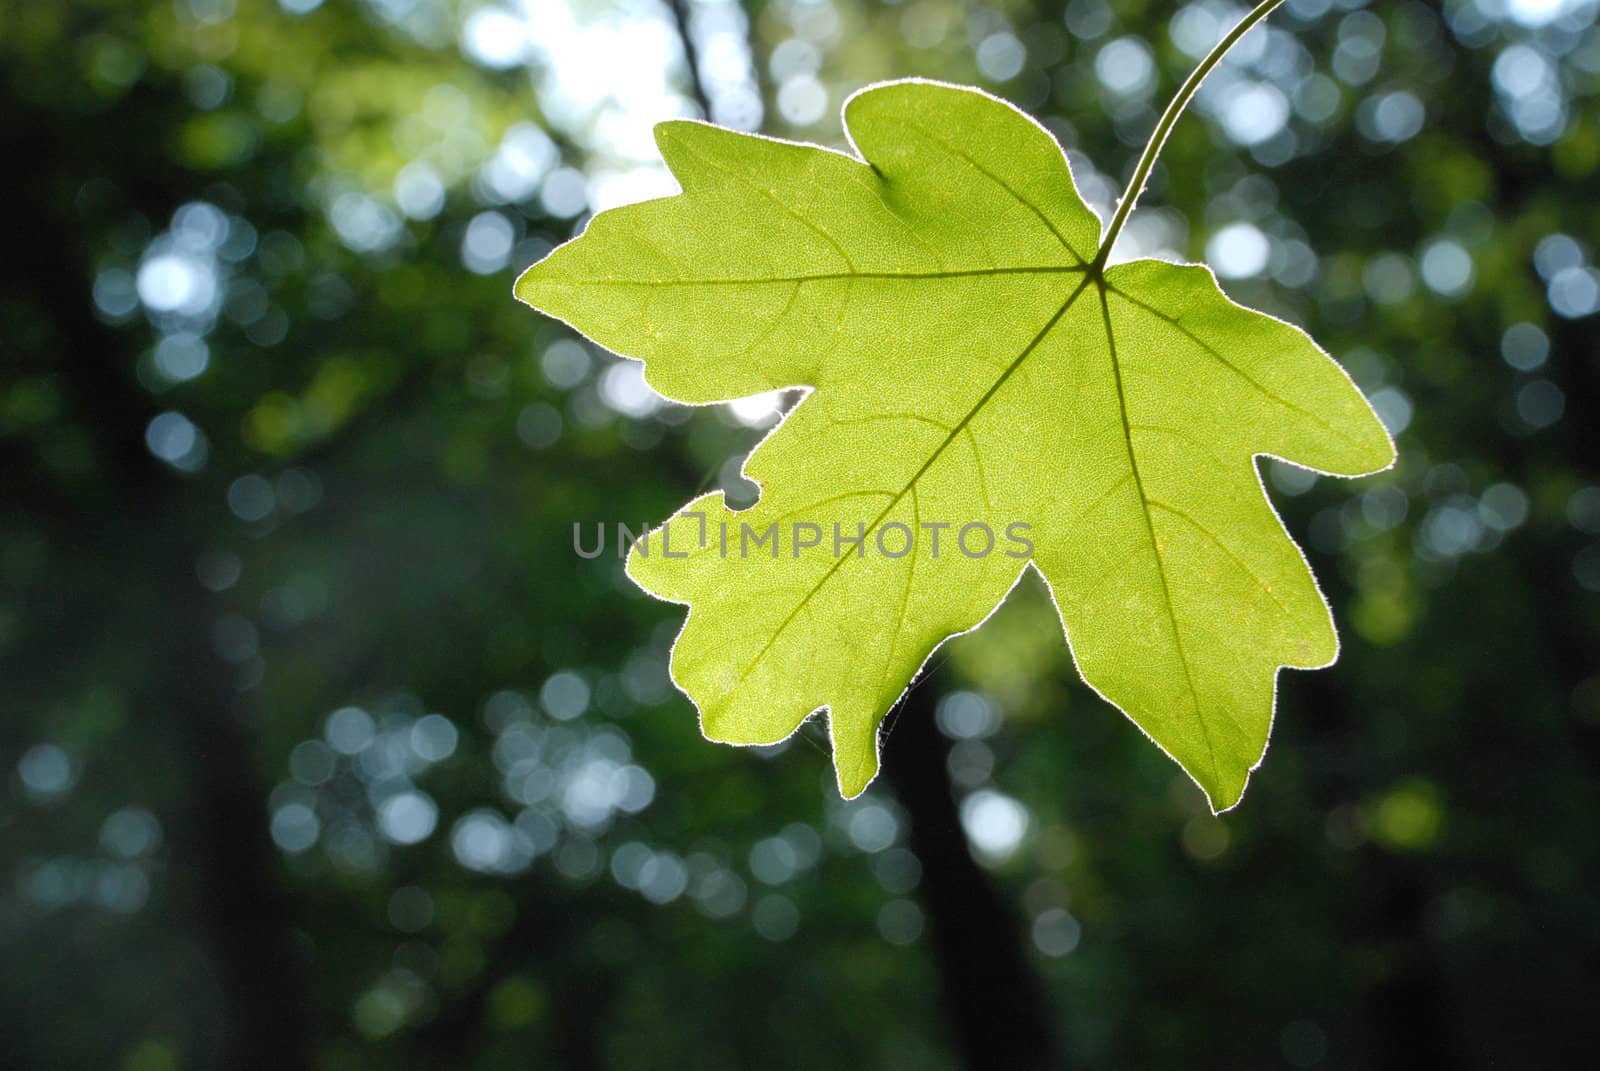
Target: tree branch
<point>691,56</point>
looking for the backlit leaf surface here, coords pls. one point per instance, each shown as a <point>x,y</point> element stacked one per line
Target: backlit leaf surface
<point>970,362</point>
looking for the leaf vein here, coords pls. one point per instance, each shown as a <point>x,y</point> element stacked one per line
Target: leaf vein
<point>1216,540</point>
<point>1150,532</point>
<point>1027,351</point>
<point>834,276</point>
<point>772,196</point>
<point>998,181</point>
<point>1211,352</point>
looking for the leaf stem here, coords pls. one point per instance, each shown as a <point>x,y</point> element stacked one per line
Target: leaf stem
<point>1169,118</point>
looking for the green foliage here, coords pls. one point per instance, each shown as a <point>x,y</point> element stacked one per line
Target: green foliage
<point>976,370</point>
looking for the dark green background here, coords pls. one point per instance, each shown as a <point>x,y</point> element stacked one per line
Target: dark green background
<point>270,447</point>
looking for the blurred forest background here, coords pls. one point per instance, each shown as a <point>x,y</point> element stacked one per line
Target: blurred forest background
<point>322,748</point>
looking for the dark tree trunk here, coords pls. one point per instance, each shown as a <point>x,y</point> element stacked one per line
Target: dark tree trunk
<point>993,1000</point>
<point>135,514</point>
<point>230,858</point>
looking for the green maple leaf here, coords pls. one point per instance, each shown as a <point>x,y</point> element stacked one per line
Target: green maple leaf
<point>971,361</point>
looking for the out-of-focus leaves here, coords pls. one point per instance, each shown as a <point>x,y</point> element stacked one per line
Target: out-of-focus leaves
<point>405,549</point>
